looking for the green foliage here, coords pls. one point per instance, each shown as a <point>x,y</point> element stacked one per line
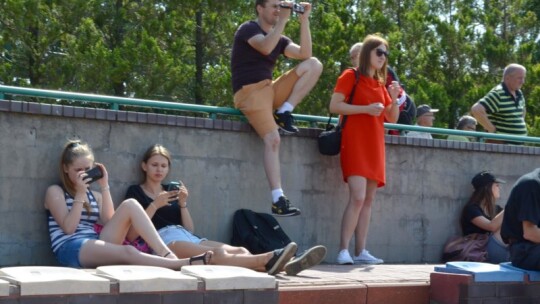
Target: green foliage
<point>447,53</point>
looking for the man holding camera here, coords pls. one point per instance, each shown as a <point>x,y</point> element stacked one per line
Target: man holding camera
<point>267,103</point>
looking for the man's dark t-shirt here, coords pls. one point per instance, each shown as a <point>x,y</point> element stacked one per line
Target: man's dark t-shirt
<point>523,205</point>
<point>247,64</point>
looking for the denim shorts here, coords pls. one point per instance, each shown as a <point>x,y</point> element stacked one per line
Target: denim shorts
<point>68,253</point>
<point>175,233</point>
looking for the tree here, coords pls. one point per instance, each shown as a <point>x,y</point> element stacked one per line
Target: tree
<point>447,53</point>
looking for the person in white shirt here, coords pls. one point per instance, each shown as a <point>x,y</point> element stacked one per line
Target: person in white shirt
<point>424,118</point>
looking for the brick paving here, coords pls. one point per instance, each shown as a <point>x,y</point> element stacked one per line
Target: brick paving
<point>357,284</point>
<point>331,274</point>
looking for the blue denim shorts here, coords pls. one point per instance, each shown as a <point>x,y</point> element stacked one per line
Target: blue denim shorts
<point>68,253</point>
<point>175,233</point>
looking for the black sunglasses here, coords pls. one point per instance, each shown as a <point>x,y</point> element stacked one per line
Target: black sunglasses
<point>380,52</point>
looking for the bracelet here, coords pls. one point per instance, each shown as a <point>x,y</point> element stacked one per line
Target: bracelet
<point>183,207</point>
<point>106,188</point>
<point>77,201</point>
<point>153,205</point>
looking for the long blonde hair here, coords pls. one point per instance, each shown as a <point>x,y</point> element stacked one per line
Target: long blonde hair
<point>73,149</point>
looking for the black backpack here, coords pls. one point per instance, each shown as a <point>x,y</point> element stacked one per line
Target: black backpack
<point>257,232</point>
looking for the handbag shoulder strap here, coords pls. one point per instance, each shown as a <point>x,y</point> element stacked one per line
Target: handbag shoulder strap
<point>349,100</point>
<point>351,96</point>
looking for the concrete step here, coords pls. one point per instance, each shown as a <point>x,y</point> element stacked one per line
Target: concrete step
<point>132,278</point>
<point>43,280</point>
<point>230,277</point>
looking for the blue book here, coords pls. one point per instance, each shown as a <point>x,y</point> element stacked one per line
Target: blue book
<point>483,272</point>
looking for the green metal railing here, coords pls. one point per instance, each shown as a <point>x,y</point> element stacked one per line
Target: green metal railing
<point>115,102</point>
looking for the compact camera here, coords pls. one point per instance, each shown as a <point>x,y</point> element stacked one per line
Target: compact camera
<point>172,186</point>
<point>94,174</point>
<point>297,8</point>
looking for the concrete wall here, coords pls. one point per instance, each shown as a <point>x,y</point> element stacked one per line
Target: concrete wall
<point>221,163</point>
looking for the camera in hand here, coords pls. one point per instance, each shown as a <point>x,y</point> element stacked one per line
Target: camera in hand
<point>172,186</point>
<point>297,8</point>
<point>94,174</point>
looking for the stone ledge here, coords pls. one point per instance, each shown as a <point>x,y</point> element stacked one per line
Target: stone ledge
<point>230,277</point>
<point>45,280</point>
<point>237,126</point>
<point>4,288</point>
<point>133,278</point>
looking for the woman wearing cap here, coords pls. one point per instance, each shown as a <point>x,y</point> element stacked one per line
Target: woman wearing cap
<point>481,214</point>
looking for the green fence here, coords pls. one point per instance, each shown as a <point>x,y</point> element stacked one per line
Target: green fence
<point>112,102</point>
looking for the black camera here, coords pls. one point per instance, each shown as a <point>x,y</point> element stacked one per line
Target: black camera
<point>172,186</point>
<point>94,174</point>
<point>297,8</point>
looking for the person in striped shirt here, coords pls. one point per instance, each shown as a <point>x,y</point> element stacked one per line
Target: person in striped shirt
<point>73,210</point>
<point>502,110</point>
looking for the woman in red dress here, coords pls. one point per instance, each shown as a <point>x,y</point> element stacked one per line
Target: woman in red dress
<point>362,145</point>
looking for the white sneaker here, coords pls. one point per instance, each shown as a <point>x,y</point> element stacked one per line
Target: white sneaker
<point>344,258</point>
<point>366,258</point>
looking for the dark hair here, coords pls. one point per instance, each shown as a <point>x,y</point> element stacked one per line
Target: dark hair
<point>372,42</point>
<point>483,197</point>
<point>73,149</point>
<point>261,3</point>
<point>156,149</point>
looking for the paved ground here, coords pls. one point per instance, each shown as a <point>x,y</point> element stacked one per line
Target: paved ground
<point>329,274</point>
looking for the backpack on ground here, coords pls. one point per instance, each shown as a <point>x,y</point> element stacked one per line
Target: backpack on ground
<point>257,232</point>
<point>471,248</point>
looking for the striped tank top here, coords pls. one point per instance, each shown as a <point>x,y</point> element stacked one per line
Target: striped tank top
<point>85,229</point>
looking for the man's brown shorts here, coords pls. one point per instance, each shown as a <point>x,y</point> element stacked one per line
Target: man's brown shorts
<point>258,100</point>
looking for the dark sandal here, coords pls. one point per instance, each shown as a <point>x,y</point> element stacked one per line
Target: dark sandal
<point>201,257</point>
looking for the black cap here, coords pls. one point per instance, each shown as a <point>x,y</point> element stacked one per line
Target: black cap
<point>485,178</point>
<point>423,109</point>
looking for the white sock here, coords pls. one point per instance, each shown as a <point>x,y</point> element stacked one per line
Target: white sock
<point>276,194</point>
<point>286,106</point>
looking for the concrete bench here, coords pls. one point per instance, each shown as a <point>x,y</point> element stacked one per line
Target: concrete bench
<point>133,278</point>
<point>230,277</point>
<point>43,280</point>
<point>137,284</point>
<point>4,288</point>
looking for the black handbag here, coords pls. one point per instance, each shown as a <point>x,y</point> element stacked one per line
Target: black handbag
<point>329,140</point>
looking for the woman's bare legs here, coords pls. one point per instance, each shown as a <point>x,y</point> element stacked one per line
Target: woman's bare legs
<point>109,251</point>
<point>361,230</point>
<point>131,214</point>
<point>229,248</point>
<point>96,253</point>
<point>223,254</point>
<point>354,215</point>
